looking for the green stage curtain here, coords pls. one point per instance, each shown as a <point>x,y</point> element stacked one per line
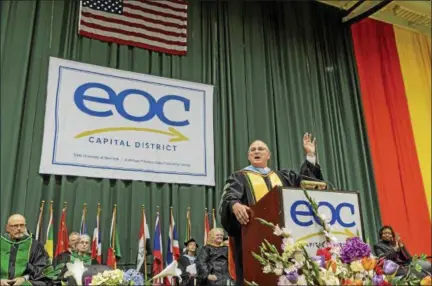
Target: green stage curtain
<point>280,69</point>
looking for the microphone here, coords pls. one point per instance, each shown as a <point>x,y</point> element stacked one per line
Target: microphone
<point>332,186</point>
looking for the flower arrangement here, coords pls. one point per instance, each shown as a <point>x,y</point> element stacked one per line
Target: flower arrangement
<point>132,277</point>
<point>112,277</point>
<point>351,263</point>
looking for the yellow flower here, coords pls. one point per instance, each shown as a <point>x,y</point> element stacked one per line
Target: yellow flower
<point>357,266</point>
<point>426,281</point>
<point>368,263</point>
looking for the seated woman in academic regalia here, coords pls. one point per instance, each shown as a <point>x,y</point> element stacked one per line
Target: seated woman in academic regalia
<point>212,260</point>
<point>186,262</point>
<point>81,252</point>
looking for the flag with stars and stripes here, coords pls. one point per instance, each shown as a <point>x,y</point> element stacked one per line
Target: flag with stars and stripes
<point>158,25</point>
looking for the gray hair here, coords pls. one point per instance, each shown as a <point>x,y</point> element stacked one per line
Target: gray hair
<point>85,236</point>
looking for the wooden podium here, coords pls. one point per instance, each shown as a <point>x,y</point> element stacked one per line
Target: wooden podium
<point>342,207</point>
<point>270,208</point>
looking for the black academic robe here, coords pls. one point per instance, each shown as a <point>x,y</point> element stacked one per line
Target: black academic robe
<point>23,257</point>
<point>385,249</point>
<point>239,188</point>
<point>213,260</point>
<point>63,257</point>
<point>66,257</point>
<point>187,280</point>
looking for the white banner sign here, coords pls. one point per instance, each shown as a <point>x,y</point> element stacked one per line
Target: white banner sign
<point>341,208</point>
<point>108,123</point>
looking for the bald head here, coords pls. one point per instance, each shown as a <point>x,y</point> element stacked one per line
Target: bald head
<point>258,154</point>
<point>16,226</point>
<point>16,217</point>
<point>259,143</point>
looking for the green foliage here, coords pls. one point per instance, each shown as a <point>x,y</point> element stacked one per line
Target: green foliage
<point>53,273</point>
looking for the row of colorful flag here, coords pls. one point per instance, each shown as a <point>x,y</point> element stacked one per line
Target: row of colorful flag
<point>114,251</point>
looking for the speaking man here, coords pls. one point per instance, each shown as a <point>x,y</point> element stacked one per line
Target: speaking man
<point>247,186</point>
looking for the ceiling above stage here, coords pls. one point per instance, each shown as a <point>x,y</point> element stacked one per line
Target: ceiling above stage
<point>414,15</point>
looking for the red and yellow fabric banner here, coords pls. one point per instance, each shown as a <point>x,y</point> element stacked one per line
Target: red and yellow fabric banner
<point>414,52</point>
<point>392,89</point>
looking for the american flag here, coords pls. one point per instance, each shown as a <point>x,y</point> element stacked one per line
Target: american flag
<point>159,25</point>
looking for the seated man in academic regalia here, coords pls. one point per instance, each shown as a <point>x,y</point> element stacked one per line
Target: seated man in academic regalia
<point>23,258</point>
<point>64,257</point>
<point>185,261</point>
<point>247,186</point>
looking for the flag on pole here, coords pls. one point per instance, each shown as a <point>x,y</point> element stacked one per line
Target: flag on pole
<point>155,25</point>
<point>206,226</point>
<point>96,242</point>
<point>214,218</point>
<point>38,231</point>
<point>173,252</point>
<point>143,245</point>
<point>188,225</point>
<point>49,244</point>
<point>83,226</point>
<point>63,236</point>
<point>114,253</point>
<point>173,243</point>
<point>157,250</point>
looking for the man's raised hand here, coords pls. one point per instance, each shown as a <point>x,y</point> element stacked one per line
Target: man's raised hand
<point>309,144</point>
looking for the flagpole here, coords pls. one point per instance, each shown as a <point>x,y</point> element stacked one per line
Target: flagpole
<point>114,231</point>
<point>39,226</point>
<point>145,243</point>
<point>205,229</point>
<point>172,242</point>
<point>214,218</point>
<point>189,230</point>
<point>83,219</point>
<point>160,234</point>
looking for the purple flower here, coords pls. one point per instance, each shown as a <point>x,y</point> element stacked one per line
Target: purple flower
<point>354,249</point>
<point>320,260</point>
<point>378,279</point>
<point>292,277</point>
<point>390,267</point>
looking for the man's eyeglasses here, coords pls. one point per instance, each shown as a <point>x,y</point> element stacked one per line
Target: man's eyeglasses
<point>15,226</point>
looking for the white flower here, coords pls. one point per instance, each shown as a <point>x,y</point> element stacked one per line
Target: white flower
<point>278,271</point>
<point>267,269</point>
<point>328,277</point>
<point>284,232</point>
<point>324,218</point>
<point>302,281</point>
<point>299,257</point>
<point>286,242</point>
<point>357,266</point>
